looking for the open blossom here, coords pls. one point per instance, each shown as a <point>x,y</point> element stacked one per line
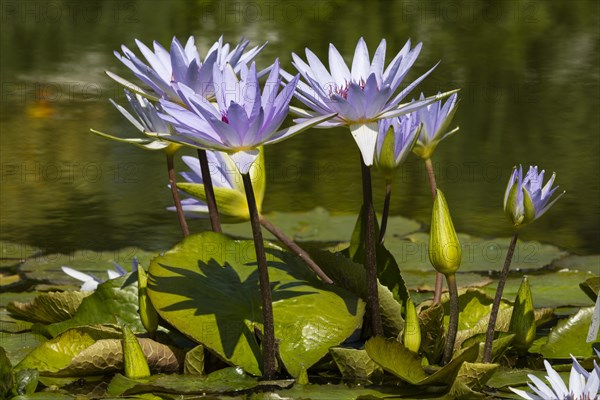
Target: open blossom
<point>146,119</point>
<point>361,95</point>
<point>242,119</point>
<point>583,385</point>
<point>525,199</point>
<point>228,187</point>
<point>395,140</point>
<point>436,118</point>
<point>90,282</point>
<point>182,64</point>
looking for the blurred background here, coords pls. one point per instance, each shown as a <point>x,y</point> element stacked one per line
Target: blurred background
<point>528,70</point>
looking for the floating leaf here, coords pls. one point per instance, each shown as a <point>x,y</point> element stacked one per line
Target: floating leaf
<point>431,321</point>
<point>581,263</point>
<point>194,361</point>
<point>113,302</point>
<point>224,381</point>
<point>10,324</point>
<point>12,254</point>
<point>591,287</point>
<point>18,345</point>
<point>569,337</point>
<point>47,268</point>
<point>49,307</point>
<point>207,287</point>
<point>354,364</point>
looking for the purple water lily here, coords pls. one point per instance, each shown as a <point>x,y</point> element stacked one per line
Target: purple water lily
<point>181,64</point>
<point>525,199</point>
<point>436,119</point>
<point>361,95</point>
<point>243,118</point>
<point>395,140</point>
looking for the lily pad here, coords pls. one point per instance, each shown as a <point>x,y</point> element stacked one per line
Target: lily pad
<point>47,268</point>
<point>207,287</point>
<point>12,254</point>
<point>470,380</point>
<point>591,287</point>
<point>10,324</point>
<point>49,307</point>
<point>194,361</point>
<point>478,254</point>
<point>318,225</point>
<point>581,263</point>
<point>6,375</point>
<point>568,337</point>
<point>18,345</point>
<point>354,364</point>
<point>114,302</point>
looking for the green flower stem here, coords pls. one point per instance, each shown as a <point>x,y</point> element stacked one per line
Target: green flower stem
<point>386,211</point>
<point>453,323</point>
<point>290,244</point>
<point>439,278</point>
<point>370,252</point>
<point>489,336</point>
<point>211,202</point>
<point>175,193</point>
<point>265,287</point>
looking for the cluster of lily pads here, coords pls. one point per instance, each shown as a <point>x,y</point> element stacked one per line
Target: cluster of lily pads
<point>227,311</point>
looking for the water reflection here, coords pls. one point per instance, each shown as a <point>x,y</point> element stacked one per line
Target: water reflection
<point>528,70</point>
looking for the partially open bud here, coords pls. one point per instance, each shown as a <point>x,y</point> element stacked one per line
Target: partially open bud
<point>136,365</point>
<point>412,330</point>
<point>148,313</point>
<point>444,248</point>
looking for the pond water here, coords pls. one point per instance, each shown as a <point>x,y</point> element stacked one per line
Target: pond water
<point>528,72</point>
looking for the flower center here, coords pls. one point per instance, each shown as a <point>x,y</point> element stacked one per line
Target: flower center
<point>224,117</point>
<point>342,90</point>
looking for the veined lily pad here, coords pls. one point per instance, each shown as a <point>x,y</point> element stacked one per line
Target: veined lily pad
<point>207,287</point>
<point>354,363</point>
<point>49,307</point>
<point>18,345</point>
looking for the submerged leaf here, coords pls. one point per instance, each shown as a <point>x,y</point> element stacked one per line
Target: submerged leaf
<point>207,287</point>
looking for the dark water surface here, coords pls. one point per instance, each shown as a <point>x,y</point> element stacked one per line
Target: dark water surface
<point>529,73</point>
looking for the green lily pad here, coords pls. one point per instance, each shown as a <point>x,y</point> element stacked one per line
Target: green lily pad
<point>12,254</point>
<point>194,361</point>
<point>8,297</point>
<point>10,324</point>
<point>7,280</point>
<point>113,302</point>
<point>406,365</point>
<point>94,351</point>
<point>582,263</point>
<point>470,380</point>
<point>568,337</point>
<point>47,268</point>
<point>478,254</point>
<point>545,286</point>
<point>18,345</point>
<point>338,392</point>
<point>591,287</point>
<point>318,225</point>
<point>224,381</point>
<point>49,307</point>
<point>354,364</point>
<point>431,321</point>
<point>207,287</point>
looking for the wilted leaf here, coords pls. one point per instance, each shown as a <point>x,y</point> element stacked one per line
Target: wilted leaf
<point>354,364</point>
<point>207,287</point>
<point>194,361</point>
<point>114,302</point>
<point>49,307</point>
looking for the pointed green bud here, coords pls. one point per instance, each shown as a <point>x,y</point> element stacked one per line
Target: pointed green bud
<point>412,330</point>
<point>386,160</point>
<point>148,313</point>
<point>136,365</point>
<point>522,321</point>
<point>444,248</point>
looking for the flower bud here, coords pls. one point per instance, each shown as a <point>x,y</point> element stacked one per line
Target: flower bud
<point>444,248</point>
<point>134,359</point>
<point>412,330</point>
<point>148,313</point>
<point>522,321</point>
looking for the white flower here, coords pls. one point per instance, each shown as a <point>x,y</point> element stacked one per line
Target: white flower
<point>583,385</point>
<point>90,282</point>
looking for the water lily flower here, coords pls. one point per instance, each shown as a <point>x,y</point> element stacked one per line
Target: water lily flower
<point>243,118</point>
<point>181,64</point>
<point>395,140</point>
<point>361,95</point>
<point>90,282</point>
<point>583,385</point>
<point>228,186</point>
<point>436,119</point>
<point>146,119</point>
<point>525,199</point>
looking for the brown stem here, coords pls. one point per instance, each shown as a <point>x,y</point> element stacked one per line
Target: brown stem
<point>370,252</point>
<point>489,336</point>
<point>211,202</point>
<point>439,278</point>
<point>175,193</point>
<point>290,244</point>
<point>386,211</point>
<point>453,323</point>
<point>265,287</point>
